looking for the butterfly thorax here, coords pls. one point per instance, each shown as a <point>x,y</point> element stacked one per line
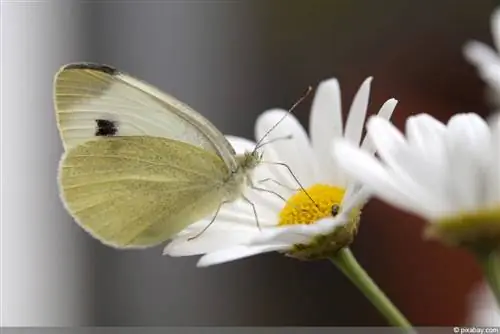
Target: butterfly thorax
<point>241,176</point>
<point>248,160</point>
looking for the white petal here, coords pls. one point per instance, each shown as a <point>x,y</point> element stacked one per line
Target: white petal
<point>267,203</point>
<point>385,136</point>
<point>468,140</point>
<point>328,224</point>
<point>474,132</point>
<point>426,135</point>
<point>291,234</point>
<point>300,233</point>
<point>480,54</point>
<point>240,145</point>
<point>325,123</point>
<point>483,308</point>
<point>357,113</point>
<point>491,74</point>
<point>354,199</point>
<point>495,27</point>
<point>352,188</point>
<point>211,240</point>
<point>493,196</point>
<point>221,227</point>
<point>296,152</point>
<point>410,168</point>
<point>240,212</point>
<point>236,253</point>
<point>365,168</point>
<point>326,115</point>
<point>385,112</point>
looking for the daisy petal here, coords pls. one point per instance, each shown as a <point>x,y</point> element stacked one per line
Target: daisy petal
<point>385,112</point>
<point>240,145</point>
<point>493,196</point>
<point>355,199</point>
<point>228,219</point>
<point>406,165</point>
<point>426,135</point>
<point>474,133</point>
<point>326,123</point>
<point>211,240</point>
<point>326,115</point>
<point>426,139</point>
<point>283,234</point>
<point>298,234</point>
<point>495,27</point>
<point>480,54</point>
<point>469,143</point>
<point>491,74</point>
<point>365,168</point>
<point>483,307</point>
<point>296,152</point>
<point>357,113</point>
<point>238,252</point>
<point>240,212</point>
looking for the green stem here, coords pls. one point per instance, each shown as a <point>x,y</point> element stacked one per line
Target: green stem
<point>490,263</point>
<point>347,263</point>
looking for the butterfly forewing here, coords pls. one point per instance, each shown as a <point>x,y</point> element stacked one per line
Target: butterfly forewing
<point>98,101</point>
<point>139,191</point>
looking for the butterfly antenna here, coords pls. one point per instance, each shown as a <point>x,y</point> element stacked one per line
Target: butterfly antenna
<point>274,140</point>
<point>309,89</point>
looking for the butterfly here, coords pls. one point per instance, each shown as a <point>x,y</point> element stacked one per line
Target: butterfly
<point>139,165</point>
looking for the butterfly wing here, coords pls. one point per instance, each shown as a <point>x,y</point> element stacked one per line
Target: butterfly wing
<point>94,100</point>
<point>138,191</point>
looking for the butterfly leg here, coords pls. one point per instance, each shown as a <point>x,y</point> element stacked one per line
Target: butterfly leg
<point>211,222</point>
<point>278,183</point>
<point>269,191</point>
<point>254,210</point>
<point>252,186</point>
<point>274,193</point>
<point>294,177</point>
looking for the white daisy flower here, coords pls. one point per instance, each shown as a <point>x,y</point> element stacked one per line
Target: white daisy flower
<point>483,309</point>
<point>487,59</point>
<point>287,217</point>
<point>449,174</point>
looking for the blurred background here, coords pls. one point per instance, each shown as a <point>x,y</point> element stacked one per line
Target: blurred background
<point>230,60</point>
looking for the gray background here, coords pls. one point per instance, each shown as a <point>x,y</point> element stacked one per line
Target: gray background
<point>230,60</point>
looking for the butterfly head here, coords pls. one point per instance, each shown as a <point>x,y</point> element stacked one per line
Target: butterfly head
<point>249,160</point>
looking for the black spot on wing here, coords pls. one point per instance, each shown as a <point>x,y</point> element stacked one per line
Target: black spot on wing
<point>93,66</point>
<point>105,128</point>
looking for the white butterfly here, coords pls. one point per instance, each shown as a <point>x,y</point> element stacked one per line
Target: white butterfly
<point>139,165</point>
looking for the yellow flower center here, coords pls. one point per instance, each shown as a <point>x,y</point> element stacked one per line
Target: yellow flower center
<point>299,209</point>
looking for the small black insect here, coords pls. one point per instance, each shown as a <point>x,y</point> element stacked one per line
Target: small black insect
<point>335,209</point>
<point>105,128</point>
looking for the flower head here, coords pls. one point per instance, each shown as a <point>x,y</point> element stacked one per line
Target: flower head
<point>448,174</point>
<point>305,205</point>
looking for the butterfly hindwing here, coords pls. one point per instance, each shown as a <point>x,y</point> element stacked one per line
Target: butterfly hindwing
<point>138,191</point>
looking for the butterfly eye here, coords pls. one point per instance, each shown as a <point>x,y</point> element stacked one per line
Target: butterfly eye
<point>335,209</point>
